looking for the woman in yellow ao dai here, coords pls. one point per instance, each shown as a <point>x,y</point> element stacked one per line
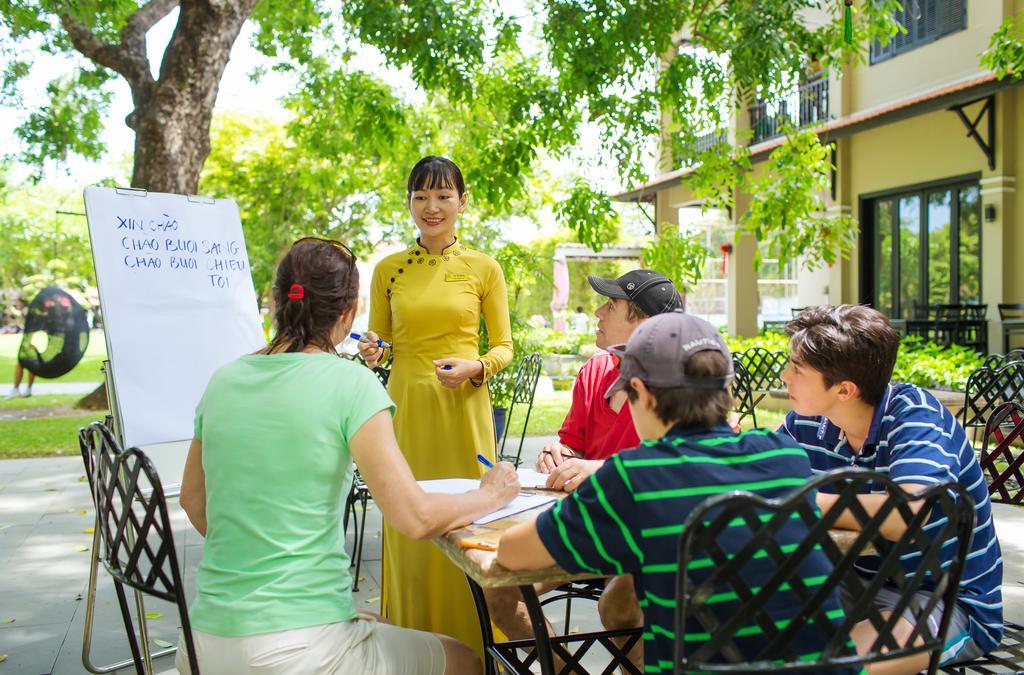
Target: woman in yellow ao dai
<point>426,301</point>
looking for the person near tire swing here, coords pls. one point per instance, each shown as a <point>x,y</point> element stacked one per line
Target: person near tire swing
<point>19,371</point>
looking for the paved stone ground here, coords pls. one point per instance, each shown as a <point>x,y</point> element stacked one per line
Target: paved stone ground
<point>45,510</point>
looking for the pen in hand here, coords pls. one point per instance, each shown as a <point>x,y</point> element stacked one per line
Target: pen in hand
<point>486,462</point>
<point>380,343</point>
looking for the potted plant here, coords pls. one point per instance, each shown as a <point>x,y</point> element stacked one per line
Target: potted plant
<point>502,387</point>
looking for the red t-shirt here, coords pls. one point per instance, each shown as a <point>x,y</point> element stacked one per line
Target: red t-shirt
<point>591,425</point>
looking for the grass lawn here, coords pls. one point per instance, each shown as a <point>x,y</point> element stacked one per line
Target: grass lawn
<point>545,418</point>
<point>87,370</point>
<point>43,436</point>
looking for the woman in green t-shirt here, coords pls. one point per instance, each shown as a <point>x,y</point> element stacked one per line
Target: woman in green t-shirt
<point>275,436</point>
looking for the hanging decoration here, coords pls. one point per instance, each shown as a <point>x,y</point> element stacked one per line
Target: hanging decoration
<point>726,250</point>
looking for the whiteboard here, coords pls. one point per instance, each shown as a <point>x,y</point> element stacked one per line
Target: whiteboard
<point>177,301</point>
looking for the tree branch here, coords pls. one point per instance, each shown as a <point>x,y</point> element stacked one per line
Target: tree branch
<point>127,58</point>
<point>148,16</point>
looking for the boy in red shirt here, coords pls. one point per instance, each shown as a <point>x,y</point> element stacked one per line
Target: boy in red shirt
<point>594,429</point>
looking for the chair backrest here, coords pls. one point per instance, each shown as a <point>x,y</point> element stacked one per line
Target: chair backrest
<point>996,361</point>
<point>134,528</point>
<point>764,367</point>
<point>987,388</point>
<point>1001,460</point>
<point>1011,311</point>
<point>761,601</point>
<point>524,389</point>
<point>742,391</point>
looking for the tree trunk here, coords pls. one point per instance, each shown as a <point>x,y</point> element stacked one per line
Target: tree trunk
<point>172,119</point>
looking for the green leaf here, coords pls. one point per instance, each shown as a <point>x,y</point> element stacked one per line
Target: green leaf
<point>162,643</point>
<point>589,213</point>
<point>153,615</point>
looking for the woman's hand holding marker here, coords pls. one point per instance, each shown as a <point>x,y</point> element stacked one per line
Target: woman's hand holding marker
<point>453,372</point>
<point>371,347</point>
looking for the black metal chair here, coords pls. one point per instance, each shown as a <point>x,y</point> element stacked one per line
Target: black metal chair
<point>99,447</point>
<point>1002,462</point>
<point>764,369</point>
<point>521,656</point>
<point>134,528</point>
<point>996,361</point>
<point>358,493</point>
<point>987,388</point>
<point>755,569</point>
<point>742,392</point>
<point>1011,315</point>
<point>523,391</point>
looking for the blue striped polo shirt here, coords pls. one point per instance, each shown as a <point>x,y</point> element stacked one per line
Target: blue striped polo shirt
<point>915,439</point>
<point>628,516</point>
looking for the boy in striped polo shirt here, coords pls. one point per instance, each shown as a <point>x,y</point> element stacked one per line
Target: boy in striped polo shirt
<point>847,413</point>
<point>627,517</point>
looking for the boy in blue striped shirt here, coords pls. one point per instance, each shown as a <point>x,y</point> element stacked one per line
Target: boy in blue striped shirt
<point>847,413</point>
<point>627,517</point>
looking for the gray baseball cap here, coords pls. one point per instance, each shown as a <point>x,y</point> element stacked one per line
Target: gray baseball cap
<point>654,293</point>
<point>660,347</point>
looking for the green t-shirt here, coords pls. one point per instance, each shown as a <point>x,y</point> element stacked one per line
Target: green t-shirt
<point>275,432</point>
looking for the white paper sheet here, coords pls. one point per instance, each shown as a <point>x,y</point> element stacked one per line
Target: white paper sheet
<point>458,486</point>
<point>529,478</point>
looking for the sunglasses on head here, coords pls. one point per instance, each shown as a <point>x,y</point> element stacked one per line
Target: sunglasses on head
<point>333,242</point>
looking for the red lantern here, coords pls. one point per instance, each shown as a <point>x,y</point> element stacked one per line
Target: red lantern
<point>726,250</point>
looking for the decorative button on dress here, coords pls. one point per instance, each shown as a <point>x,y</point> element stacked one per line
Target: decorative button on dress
<point>428,307</point>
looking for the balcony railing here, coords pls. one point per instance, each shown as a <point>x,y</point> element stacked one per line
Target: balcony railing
<point>801,107</point>
<point>702,143</point>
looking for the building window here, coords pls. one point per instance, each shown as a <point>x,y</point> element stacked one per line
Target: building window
<point>927,248</point>
<point>925,21</point>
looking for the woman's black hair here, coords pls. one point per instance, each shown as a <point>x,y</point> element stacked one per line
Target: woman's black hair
<point>326,272</point>
<point>435,173</point>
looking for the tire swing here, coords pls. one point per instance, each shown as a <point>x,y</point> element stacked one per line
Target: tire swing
<point>56,334</point>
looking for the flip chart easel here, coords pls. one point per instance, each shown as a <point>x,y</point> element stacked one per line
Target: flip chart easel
<point>178,302</point>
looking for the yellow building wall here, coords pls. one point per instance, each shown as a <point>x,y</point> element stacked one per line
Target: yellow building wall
<point>935,147</point>
<point>947,59</point>
<point>1013,261</point>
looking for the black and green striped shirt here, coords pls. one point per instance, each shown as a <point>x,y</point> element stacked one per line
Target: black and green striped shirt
<point>627,518</point>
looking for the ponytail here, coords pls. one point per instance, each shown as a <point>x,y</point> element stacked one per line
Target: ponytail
<point>316,282</point>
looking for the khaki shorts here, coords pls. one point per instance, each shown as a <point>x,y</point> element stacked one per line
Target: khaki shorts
<point>359,646</point>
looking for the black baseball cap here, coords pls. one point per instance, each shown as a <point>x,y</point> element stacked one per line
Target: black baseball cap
<point>660,347</point>
<point>654,293</point>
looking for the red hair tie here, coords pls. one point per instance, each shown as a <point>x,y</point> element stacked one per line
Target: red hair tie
<point>296,292</point>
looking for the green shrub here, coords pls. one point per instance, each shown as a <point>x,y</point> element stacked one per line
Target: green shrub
<point>927,364</point>
<point>919,362</point>
<point>549,341</point>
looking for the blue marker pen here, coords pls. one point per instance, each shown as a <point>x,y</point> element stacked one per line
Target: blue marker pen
<point>380,343</point>
<point>486,462</point>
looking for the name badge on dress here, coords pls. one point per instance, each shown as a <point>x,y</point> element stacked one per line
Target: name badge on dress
<point>456,277</point>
